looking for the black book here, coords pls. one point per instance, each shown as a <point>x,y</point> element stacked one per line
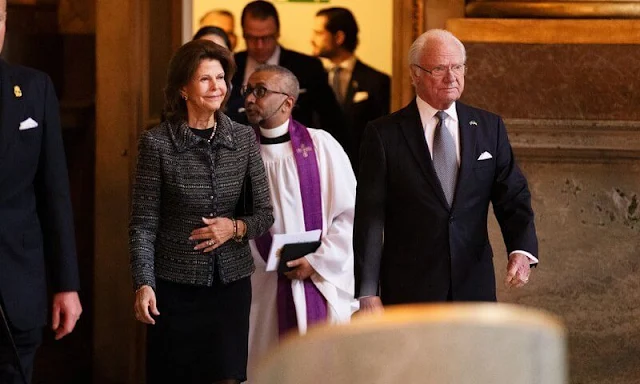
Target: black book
<point>294,251</point>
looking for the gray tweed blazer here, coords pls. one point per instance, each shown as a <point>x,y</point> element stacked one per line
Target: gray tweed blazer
<point>181,178</point>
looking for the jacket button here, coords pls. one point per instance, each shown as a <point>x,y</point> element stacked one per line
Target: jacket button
<point>451,219</point>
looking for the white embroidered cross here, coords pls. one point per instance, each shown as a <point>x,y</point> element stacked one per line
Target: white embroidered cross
<point>304,150</point>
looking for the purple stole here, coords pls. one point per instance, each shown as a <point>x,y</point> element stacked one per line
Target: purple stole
<point>309,177</point>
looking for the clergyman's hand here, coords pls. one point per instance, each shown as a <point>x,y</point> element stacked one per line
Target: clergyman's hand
<point>302,269</point>
<point>370,305</point>
<point>518,270</point>
<point>65,313</point>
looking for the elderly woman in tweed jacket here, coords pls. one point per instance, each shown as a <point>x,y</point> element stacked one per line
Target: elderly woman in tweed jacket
<point>190,257</point>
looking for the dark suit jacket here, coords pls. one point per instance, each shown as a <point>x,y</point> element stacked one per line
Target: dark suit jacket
<point>36,221</point>
<point>429,247</point>
<point>358,112</point>
<point>316,107</point>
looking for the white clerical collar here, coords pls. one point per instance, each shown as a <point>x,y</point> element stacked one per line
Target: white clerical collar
<point>278,131</point>
<point>427,111</point>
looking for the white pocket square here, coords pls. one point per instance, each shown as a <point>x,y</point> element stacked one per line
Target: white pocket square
<point>27,124</point>
<point>485,156</point>
<point>360,96</point>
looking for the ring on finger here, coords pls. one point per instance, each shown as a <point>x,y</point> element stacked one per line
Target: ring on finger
<point>210,242</point>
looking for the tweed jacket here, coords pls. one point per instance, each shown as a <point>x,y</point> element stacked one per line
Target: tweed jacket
<point>182,178</point>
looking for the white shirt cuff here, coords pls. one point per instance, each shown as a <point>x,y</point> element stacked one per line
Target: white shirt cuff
<point>532,259</point>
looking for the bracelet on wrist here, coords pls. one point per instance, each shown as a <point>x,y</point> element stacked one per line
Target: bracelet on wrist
<point>236,236</point>
<point>235,227</point>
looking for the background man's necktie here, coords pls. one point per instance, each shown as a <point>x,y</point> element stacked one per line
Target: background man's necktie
<point>444,158</point>
<point>335,83</point>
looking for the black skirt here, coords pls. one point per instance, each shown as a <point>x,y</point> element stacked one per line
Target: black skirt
<point>202,333</point>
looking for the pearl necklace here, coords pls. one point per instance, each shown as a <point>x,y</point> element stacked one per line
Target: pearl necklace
<point>213,132</point>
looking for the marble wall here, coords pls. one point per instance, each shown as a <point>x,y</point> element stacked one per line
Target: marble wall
<point>573,118</point>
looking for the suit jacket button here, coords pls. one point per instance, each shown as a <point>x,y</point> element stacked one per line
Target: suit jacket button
<point>451,219</point>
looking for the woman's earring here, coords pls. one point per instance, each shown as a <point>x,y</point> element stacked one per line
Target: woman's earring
<point>185,97</point>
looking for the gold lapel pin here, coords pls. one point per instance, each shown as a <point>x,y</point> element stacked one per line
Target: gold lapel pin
<point>17,91</point>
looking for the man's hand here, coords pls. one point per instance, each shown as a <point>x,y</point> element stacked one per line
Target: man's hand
<point>145,300</point>
<point>66,312</point>
<point>370,305</point>
<point>302,269</point>
<point>518,270</point>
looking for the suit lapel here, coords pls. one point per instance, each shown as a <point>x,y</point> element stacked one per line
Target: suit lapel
<point>12,107</point>
<point>468,136</point>
<point>284,59</point>
<point>414,134</point>
<point>352,87</point>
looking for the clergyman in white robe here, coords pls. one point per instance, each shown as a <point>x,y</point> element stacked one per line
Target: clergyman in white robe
<point>332,261</point>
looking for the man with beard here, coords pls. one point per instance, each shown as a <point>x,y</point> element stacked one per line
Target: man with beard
<point>312,188</point>
<point>316,105</point>
<point>363,92</point>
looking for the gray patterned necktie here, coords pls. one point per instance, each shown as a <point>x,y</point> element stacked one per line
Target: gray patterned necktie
<point>444,158</point>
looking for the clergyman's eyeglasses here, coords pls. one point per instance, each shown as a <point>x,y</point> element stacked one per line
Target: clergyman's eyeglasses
<point>259,91</point>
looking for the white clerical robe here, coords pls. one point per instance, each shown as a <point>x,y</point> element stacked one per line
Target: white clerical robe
<point>332,261</point>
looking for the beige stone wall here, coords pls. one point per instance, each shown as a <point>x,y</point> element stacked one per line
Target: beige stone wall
<point>571,110</point>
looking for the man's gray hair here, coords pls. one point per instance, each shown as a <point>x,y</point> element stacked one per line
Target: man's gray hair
<point>287,80</point>
<point>424,41</point>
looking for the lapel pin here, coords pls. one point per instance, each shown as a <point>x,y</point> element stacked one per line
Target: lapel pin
<point>473,122</point>
<point>17,91</point>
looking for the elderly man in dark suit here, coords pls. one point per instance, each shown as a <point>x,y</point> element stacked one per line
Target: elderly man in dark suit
<point>363,92</point>
<point>427,175</point>
<point>36,222</point>
<point>316,106</point>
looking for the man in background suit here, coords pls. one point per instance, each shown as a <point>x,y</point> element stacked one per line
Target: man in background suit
<point>317,106</point>
<point>363,92</point>
<point>36,223</point>
<point>427,175</point>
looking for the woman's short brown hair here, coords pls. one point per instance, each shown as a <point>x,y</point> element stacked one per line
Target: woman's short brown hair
<point>182,68</point>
